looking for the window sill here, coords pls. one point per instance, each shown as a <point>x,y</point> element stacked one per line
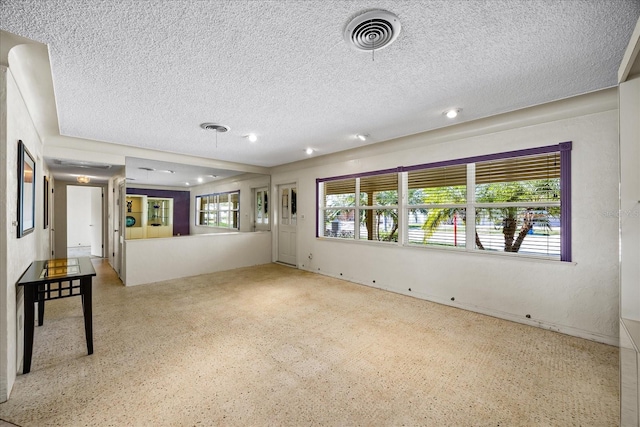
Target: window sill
<point>457,250</point>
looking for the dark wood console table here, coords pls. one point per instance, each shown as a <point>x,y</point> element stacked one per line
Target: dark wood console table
<point>54,279</point>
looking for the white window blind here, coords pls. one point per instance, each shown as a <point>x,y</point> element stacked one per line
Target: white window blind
<point>507,202</point>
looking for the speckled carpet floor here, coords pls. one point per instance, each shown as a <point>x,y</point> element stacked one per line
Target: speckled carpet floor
<point>272,345</point>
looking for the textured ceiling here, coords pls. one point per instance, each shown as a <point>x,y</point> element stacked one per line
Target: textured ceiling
<point>147,73</point>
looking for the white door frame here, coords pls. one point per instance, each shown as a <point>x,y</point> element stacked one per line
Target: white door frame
<point>103,214</point>
<point>275,216</point>
<point>95,251</point>
<point>122,195</point>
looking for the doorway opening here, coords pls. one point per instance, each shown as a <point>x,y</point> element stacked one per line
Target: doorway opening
<point>84,221</point>
<point>288,224</point>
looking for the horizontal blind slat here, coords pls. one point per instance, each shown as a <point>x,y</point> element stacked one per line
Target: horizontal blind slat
<point>347,186</point>
<point>438,177</point>
<point>546,166</point>
<point>376,183</point>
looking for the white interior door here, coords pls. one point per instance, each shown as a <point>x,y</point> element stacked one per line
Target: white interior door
<point>287,223</point>
<point>96,222</point>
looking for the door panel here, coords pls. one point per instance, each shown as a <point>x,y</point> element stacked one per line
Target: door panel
<point>287,224</point>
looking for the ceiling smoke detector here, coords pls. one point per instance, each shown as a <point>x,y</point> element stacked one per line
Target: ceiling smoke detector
<point>372,30</point>
<point>216,127</point>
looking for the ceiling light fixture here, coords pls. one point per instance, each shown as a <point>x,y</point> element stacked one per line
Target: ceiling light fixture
<point>200,179</point>
<point>83,179</point>
<point>186,183</point>
<point>309,151</point>
<point>252,137</point>
<point>146,169</point>
<point>452,113</point>
<point>361,137</point>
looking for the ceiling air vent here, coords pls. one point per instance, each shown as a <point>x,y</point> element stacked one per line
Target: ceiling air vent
<point>372,30</point>
<point>215,126</point>
<point>81,164</point>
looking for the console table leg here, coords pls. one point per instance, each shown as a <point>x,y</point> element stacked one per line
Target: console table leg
<point>41,306</point>
<point>85,283</point>
<point>29,325</point>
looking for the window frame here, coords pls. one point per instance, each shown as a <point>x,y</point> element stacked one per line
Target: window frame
<point>357,207</point>
<point>216,210</point>
<point>261,217</point>
<point>564,149</point>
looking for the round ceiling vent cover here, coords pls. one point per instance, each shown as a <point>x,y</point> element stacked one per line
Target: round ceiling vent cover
<point>372,30</point>
<point>215,126</point>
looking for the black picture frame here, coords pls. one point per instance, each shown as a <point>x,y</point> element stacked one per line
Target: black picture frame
<point>45,187</point>
<point>26,191</point>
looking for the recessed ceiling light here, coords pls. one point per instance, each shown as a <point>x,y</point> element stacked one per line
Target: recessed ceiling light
<point>167,171</point>
<point>452,113</point>
<point>309,151</point>
<point>361,137</point>
<point>212,176</point>
<point>147,169</point>
<point>252,137</point>
<point>200,179</point>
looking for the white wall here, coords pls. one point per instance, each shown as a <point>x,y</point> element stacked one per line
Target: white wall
<point>629,92</point>
<point>155,260</point>
<point>207,249</point>
<point>79,215</point>
<point>578,298</point>
<point>19,252</point>
<point>245,184</point>
<point>630,198</point>
<point>5,383</point>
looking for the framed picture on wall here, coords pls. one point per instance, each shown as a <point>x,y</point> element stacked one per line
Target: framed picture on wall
<point>26,191</point>
<point>45,187</point>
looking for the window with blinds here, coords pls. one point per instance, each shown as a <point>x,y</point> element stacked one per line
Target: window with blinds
<point>379,207</point>
<point>372,215</point>
<point>518,205</point>
<point>218,210</point>
<point>436,206</point>
<point>520,179</point>
<point>339,214</point>
<point>511,202</point>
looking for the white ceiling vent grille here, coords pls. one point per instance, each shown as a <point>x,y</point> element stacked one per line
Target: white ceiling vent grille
<point>215,126</point>
<point>81,164</point>
<point>372,30</point>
